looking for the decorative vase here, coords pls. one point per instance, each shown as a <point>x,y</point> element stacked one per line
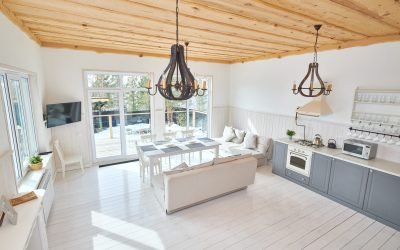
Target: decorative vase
<point>290,138</point>
<point>36,166</point>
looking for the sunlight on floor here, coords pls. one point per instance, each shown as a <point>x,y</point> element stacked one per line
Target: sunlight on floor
<point>124,233</point>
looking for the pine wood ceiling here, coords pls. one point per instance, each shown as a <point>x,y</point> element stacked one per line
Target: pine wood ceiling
<point>226,31</point>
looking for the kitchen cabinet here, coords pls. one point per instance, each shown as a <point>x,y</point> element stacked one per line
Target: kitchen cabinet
<point>348,182</point>
<point>279,158</point>
<point>320,172</point>
<point>382,198</point>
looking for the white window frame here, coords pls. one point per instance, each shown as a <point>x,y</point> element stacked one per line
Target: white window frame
<point>120,90</point>
<point>20,168</point>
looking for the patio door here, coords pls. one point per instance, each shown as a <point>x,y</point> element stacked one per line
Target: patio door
<point>120,112</point>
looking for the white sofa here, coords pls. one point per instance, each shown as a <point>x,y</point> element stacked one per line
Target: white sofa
<point>263,151</point>
<point>190,187</point>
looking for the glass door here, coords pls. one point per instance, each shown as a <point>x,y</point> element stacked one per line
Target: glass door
<point>120,111</point>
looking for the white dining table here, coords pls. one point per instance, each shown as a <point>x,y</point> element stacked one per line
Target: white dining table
<point>160,149</point>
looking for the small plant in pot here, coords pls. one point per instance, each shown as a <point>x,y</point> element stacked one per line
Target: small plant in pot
<point>290,133</point>
<point>36,162</point>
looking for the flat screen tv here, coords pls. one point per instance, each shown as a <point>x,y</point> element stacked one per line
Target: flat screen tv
<point>63,113</point>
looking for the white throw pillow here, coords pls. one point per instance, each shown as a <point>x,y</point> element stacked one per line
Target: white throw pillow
<point>230,158</point>
<point>228,134</point>
<point>178,169</point>
<point>202,165</point>
<point>250,141</point>
<point>239,136</point>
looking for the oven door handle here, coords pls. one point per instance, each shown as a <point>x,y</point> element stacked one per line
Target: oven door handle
<point>302,156</point>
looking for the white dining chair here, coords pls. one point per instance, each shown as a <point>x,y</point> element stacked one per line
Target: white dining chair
<point>148,137</point>
<point>169,135</point>
<point>188,133</point>
<point>67,160</point>
<point>144,163</point>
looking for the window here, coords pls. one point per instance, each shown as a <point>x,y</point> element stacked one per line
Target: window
<point>17,103</point>
<point>192,114</point>
<point>120,112</point>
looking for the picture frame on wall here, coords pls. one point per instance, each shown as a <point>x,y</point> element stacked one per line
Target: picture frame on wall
<point>9,211</point>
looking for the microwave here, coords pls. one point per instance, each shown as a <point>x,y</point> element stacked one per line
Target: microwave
<point>361,149</point>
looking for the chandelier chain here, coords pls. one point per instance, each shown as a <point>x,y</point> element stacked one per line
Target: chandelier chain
<point>177,23</point>
<point>315,47</point>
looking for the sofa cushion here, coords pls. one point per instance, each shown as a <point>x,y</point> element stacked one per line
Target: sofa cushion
<point>228,134</point>
<point>250,141</point>
<point>239,136</point>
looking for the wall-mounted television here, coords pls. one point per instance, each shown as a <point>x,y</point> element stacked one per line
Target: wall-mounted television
<point>63,113</point>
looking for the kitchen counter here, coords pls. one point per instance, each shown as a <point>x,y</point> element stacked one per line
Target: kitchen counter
<point>377,164</point>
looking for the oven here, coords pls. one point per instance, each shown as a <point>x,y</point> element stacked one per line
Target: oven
<point>299,160</point>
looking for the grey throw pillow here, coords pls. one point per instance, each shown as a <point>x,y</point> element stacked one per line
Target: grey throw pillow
<point>250,141</point>
<point>239,136</point>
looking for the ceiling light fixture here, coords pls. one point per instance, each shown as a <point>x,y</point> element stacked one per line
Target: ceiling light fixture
<point>311,90</point>
<point>184,86</point>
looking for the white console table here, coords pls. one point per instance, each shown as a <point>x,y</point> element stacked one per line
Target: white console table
<point>30,231</point>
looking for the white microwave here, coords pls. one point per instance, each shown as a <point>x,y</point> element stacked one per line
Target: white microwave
<point>361,149</point>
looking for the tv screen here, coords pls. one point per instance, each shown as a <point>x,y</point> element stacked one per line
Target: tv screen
<point>63,113</point>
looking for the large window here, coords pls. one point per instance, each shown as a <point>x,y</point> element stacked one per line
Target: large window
<point>192,114</point>
<point>120,112</point>
<point>17,103</point>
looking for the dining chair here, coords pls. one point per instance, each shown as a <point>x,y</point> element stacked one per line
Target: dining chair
<point>188,133</point>
<point>169,135</point>
<point>67,160</point>
<point>148,137</point>
<point>144,163</point>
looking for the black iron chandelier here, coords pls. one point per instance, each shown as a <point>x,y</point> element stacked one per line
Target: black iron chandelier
<point>311,90</point>
<point>184,86</point>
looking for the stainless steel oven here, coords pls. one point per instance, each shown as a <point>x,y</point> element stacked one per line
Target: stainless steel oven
<point>299,160</point>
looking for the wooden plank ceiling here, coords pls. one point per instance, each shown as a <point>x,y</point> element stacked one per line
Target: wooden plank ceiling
<point>225,31</point>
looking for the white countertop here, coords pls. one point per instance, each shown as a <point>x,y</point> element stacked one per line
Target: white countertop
<point>15,236</point>
<point>32,179</point>
<point>377,164</point>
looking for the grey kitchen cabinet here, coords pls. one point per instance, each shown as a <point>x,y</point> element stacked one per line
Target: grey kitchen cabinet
<point>279,158</point>
<point>382,198</point>
<point>320,172</point>
<point>348,182</point>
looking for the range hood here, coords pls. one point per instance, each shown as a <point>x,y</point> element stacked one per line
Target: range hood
<point>316,107</point>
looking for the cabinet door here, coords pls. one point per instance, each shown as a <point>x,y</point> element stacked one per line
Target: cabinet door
<point>279,158</point>
<point>348,182</point>
<point>382,198</point>
<point>320,172</point>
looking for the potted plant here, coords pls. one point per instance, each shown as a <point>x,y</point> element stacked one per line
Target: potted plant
<point>290,133</point>
<point>35,162</point>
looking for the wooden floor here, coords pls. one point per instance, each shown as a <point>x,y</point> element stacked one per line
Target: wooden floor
<point>110,208</point>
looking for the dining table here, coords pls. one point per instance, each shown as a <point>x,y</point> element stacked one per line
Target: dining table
<point>156,150</point>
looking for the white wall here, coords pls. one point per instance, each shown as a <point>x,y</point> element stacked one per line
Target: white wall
<point>261,99</point>
<point>64,82</point>
<point>265,85</point>
<point>19,52</point>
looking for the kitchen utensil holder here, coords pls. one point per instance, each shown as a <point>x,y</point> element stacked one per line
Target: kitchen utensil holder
<point>373,132</point>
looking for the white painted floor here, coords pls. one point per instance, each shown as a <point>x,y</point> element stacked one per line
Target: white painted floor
<point>110,208</point>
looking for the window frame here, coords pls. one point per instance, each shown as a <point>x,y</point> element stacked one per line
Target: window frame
<point>120,90</point>
<point>209,79</point>
<point>20,168</point>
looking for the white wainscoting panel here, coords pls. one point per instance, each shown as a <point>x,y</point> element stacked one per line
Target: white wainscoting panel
<point>219,118</point>
<point>275,126</point>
